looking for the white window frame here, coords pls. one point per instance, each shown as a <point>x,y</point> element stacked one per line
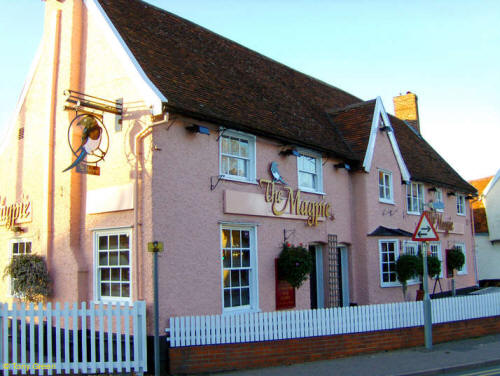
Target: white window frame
<point>319,172</point>
<point>250,160</point>
<point>253,305</point>
<point>385,199</point>
<point>11,255</point>
<point>435,249</point>
<point>438,197</point>
<point>461,205</point>
<point>415,247</point>
<point>461,246</point>
<point>381,263</point>
<point>409,196</point>
<point>96,270</point>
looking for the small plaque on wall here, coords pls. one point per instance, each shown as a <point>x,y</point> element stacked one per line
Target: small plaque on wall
<point>285,293</point>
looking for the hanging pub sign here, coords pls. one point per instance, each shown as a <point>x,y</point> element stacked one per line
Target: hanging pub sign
<point>16,213</point>
<point>89,142</point>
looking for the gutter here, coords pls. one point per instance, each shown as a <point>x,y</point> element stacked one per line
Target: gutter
<point>138,156</point>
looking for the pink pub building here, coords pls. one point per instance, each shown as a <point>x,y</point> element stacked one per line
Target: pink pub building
<point>136,125</point>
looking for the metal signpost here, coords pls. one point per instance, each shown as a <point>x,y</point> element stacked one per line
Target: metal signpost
<point>156,247</point>
<point>425,233</point>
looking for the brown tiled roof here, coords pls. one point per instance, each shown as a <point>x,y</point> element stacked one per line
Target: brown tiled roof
<point>480,185</point>
<point>423,162</point>
<point>206,76</point>
<point>480,220</point>
<point>354,124</point>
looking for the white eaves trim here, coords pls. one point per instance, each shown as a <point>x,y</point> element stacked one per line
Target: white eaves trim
<point>491,183</point>
<point>150,92</point>
<point>367,162</point>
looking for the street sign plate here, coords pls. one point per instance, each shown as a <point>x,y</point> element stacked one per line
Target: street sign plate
<point>425,231</point>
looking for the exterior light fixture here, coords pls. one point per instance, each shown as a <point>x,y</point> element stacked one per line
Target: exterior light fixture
<point>385,128</point>
<point>451,194</point>
<point>343,165</point>
<point>195,128</point>
<point>433,189</point>
<point>290,151</point>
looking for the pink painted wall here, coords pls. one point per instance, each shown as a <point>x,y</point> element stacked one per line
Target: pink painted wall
<point>176,204</point>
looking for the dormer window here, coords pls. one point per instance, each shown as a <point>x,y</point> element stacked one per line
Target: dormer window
<point>415,198</point>
<point>385,190</point>
<point>309,169</point>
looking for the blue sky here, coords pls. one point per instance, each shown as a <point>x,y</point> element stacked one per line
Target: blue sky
<point>446,51</point>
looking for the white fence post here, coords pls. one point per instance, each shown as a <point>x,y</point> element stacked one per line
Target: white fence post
<point>250,327</point>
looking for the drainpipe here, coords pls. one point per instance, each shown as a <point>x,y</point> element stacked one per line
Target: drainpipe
<point>138,156</point>
<point>474,243</point>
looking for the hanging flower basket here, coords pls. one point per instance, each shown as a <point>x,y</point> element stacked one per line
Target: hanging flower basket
<point>294,264</point>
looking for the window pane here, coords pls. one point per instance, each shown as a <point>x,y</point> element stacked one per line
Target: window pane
<point>113,242</point>
<point>103,259</point>
<point>236,259</point>
<point>105,275</point>
<point>105,289</point>
<point>15,248</point>
<point>245,239</point>
<point>245,296</point>
<point>233,166</point>
<point>226,279</point>
<point>113,258</point>
<point>235,238</point>
<point>226,254</point>
<point>235,278</point>
<point>115,274</point>
<point>227,298</point>
<point>124,242</point>
<point>21,248</point>
<point>126,290</point>
<point>103,242</point>
<point>28,247</point>
<point>125,274</point>
<point>245,281</point>
<point>306,180</point>
<point>225,238</point>
<point>124,258</point>
<point>115,289</point>
<point>225,165</point>
<point>235,147</point>
<point>225,145</point>
<point>245,258</point>
<point>235,298</point>
<point>244,148</point>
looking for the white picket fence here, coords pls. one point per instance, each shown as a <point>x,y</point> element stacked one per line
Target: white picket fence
<point>93,338</point>
<point>252,327</point>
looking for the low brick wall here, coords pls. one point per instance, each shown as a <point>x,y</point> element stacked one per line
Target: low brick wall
<point>211,358</point>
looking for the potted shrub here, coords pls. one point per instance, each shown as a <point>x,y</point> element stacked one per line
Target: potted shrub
<point>29,277</point>
<point>433,270</point>
<point>294,264</point>
<point>406,269</point>
<point>455,260</point>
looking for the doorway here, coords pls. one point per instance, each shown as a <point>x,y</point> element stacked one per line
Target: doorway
<point>317,287</point>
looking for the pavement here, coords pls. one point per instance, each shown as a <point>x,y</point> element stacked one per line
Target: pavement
<point>443,358</point>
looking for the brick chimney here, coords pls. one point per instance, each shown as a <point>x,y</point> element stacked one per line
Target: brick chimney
<point>406,108</point>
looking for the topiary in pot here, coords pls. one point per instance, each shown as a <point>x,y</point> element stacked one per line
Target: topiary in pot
<point>294,264</point>
<point>406,269</point>
<point>29,277</point>
<point>455,260</point>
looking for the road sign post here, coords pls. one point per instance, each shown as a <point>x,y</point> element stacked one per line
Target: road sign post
<point>425,232</point>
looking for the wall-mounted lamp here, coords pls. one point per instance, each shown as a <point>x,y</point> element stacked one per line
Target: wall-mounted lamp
<point>343,165</point>
<point>290,151</point>
<point>385,128</point>
<point>433,189</point>
<point>195,128</point>
<point>451,194</point>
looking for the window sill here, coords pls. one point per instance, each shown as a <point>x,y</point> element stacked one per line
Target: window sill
<point>461,214</point>
<point>312,191</point>
<point>234,179</point>
<point>389,202</point>
<point>413,213</point>
<point>113,302</point>
<point>236,311</point>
